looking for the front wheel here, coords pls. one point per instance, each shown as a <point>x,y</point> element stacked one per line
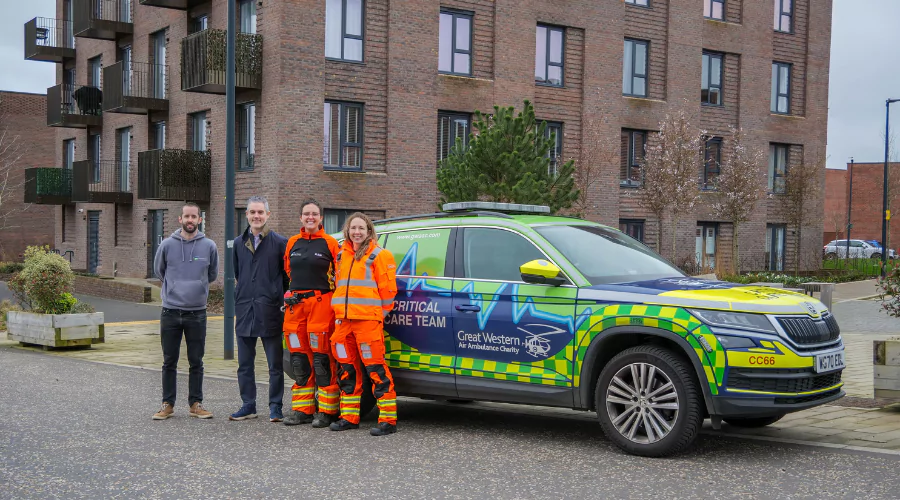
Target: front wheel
<point>753,423</point>
<point>648,402</point>
<point>830,256</point>
<point>876,256</point>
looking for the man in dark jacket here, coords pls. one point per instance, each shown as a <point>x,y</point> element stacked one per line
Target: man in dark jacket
<point>259,293</point>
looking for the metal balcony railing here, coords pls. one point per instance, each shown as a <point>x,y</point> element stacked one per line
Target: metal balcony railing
<point>175,175</point>
<point>173,4</point>
<point>48,186</point>
<point>103,181</point>
<point>50,40</point>
<point>203,61</point>
<point>102,19</point>
<point>74,106</point>
<point>138,89</point>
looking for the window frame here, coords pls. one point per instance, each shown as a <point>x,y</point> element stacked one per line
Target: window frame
<point>776,86</point>
<point>780,12</point>
<point>459,261</point>
<point>635,42</point>
<point>342,107</point>
<point>253,16</point>
<point>194,119</point>
<point>95,145</point>
<point>630,162</point>
<point>246,125</point>
<point>635,3</point>
<point>68,156</point>
<point>771,230</point>
<point>633,223</point>
<point>712,9</point>
<point>552,126</point>
<point>198,23</point>
<point>773,167</point>
<point>95,71</point>
<point>344,35</point>
<point>456,14</point>
<point>708,56</point>
<point>708,179</point>
<point>562,56</point>
<point>452,116</point>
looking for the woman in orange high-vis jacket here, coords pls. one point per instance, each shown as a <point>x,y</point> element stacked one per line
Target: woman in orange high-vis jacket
<point>310,260</point>
<point>364,295</point>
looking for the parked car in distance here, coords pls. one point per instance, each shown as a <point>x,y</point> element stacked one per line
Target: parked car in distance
<point>859,249</point>
<point>891,253</point>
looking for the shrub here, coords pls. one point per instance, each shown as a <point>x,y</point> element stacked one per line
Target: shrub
<point>5,307</point>
<point>82,308</point>
<point>10,267</point>
<point>45,283</point>
<point>889,291</point>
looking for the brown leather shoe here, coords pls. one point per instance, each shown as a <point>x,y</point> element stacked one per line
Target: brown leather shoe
<point>165,412</point>
<point>198,411</point>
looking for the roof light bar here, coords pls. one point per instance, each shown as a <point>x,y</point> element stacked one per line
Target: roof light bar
<point>499,207</point>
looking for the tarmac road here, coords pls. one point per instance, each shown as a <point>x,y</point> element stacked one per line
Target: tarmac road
<point>75,429</point>
<point>114,311</point>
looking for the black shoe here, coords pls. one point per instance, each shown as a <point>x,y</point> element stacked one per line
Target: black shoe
<point>297,418</point>
<point>383,429</point>
<point>343,425</point>
<point>323,420</point>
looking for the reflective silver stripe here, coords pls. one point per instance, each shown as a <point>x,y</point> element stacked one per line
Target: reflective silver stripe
<point>363,302</point>
<point>387,302</point>
<point>370,260</point>
<point>354,282</point>
<point>385,313</point>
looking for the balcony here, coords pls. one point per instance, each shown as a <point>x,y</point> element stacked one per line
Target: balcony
<point>74,106</point>
<point>104,181</point>
<point>173,4</point>
<point>203,62</point>
<point>49,40</point>
<point>174,175</point>
<point>48,186</point>
<point>137,90</point>
<point>102,19</point>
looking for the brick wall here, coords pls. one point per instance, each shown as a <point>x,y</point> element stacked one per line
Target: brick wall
<point>866,216</point>
<point>23,117</point>
<point>109,289</point>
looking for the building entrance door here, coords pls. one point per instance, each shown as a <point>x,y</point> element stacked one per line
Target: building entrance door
<point>93,241</point>
<point>155,236</point>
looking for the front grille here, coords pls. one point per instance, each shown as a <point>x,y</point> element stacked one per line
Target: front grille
<point>806,399</point>
<point>808,331</point>
<point>799,381</point>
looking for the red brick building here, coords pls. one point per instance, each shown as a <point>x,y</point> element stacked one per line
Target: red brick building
<point>354,102</point>
<point>866,215</point>
<point>27,138</point>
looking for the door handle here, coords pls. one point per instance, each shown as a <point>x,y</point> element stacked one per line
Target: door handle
<point>468,308</point>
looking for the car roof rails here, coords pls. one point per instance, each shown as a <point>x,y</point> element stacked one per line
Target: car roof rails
<point>440,215</point>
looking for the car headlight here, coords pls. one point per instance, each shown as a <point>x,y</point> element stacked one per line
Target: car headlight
<point>729,342</point>
<point>739,321</point>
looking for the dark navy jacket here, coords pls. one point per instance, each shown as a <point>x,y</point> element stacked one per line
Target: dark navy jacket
<point>261,283</point>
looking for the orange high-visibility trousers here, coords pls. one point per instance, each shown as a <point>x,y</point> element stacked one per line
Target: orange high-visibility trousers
<point>355,340</point>
<point>307,331</point>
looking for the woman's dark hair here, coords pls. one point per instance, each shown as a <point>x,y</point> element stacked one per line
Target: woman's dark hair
<point>311,201</point>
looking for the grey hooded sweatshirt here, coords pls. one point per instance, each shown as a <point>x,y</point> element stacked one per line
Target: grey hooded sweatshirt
<point>186,268</point>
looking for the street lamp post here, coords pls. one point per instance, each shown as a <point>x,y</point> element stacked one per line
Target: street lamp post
<point>228,348</point>
<point>884,202</point>
<point>849,211</point>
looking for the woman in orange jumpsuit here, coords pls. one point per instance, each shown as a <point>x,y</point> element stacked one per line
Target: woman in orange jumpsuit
<point>364,294</point>
<point>309,261</point>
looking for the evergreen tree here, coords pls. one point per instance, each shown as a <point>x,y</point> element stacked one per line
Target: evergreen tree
<point>508,161</point>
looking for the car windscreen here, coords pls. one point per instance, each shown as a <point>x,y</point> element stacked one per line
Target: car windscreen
<point>605,256</point>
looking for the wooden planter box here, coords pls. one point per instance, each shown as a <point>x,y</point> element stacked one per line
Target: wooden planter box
<point>55,330</point>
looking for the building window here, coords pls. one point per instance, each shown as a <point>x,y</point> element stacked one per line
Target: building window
<point>634,74</point>
<point>455,49</point>
<point>555,132</point>
<point>334,219</point>
<point>633,228</point>
<point>199,23</point>
<point>94,78</point>
<point>343,135</point>
<point>781,88</point>
<point>157,135</point>
<point>246,135</point>
<point>344,29</point>
<point>775,246</point>
<point>451,126</point>
<point>784,15</point>
<point>634,143</point>
<point>714,9</point>
<point>548,55</point>
<point>68,153</point>
<point>198,131</point>
<point>712,158</point>
<point>94,155</point>
<point>706,246</point>
<point>711,79</point>
<point>247,12</point>
<point>240,220</point>
<point>778,167</point>
<point>642,3</point>
<point>123,155</point>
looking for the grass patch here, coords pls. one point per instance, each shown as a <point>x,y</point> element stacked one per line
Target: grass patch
<point>868,267</point>
<point>5,307</point>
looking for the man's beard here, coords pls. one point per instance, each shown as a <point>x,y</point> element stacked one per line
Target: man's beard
<point>185,228</point>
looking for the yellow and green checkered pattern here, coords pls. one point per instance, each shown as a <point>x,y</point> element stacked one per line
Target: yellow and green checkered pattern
<point>400,355</point>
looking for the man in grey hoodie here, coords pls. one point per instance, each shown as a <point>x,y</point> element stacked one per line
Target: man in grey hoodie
<point>185,263</point>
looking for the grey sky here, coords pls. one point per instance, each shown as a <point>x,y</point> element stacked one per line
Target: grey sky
<point>865,70</point>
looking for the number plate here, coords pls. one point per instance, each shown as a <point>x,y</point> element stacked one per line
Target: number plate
<point>830,362</point>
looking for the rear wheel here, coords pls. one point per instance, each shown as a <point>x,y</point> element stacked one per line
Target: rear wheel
<point>648,402</point>
<point>752,423</point>
<point>876,256</point>
<point>830,256</point>
<point>366,403</point>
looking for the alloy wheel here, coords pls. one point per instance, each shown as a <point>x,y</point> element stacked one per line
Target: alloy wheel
<point>642,403</point>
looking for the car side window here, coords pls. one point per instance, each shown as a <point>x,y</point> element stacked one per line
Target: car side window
<point>495,254</point>
<point>856,244</point>
<point>420,253</point>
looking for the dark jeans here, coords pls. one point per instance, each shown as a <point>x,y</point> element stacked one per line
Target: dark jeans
<point>173,324</point>
<point>246,369</point>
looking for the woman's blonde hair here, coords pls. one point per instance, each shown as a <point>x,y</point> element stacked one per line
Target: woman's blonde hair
<point>364,247</point>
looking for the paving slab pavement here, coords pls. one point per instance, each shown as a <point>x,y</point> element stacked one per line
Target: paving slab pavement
<point>136,344</point>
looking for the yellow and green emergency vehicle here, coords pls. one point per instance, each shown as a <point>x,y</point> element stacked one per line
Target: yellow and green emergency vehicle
<point>503,302</point>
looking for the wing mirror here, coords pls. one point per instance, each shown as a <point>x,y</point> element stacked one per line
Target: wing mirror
<point>541,272</point>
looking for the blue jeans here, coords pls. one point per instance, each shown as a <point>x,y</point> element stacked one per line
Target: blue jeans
<point>173,325</point>
<point>246,368</point>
